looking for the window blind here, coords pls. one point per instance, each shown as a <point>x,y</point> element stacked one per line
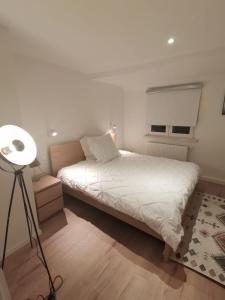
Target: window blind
<point>173,107</point>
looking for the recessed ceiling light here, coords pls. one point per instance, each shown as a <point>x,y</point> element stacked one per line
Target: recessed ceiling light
<point>171,41</point>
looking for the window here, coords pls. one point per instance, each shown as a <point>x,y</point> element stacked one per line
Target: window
<point>173,110</point>
<point>181,131</point>
<point>158,129</point>
<point>178,131</point>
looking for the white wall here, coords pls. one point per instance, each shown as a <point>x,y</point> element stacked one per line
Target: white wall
<point>209,151</point>
<point>39,97</point>
<point>54,97</point>
<point>10,114</point>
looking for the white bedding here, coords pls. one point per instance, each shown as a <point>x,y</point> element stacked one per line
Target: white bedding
<point>153,190</point>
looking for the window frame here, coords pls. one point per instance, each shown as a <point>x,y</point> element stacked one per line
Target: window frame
<point>173,134</point>
<point>158,132</point>
<point>169,133</point>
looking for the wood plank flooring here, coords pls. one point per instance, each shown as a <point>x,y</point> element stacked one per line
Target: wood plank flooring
<point>102,258</point>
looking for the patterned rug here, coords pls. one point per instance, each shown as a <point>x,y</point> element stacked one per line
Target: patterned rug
<point>203,246</point>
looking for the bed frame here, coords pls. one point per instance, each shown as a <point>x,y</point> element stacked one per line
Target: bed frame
<point>66,154</point>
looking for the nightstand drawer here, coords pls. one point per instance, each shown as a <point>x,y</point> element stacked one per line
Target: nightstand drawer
<point>47,195</point>
<point>50,209</point>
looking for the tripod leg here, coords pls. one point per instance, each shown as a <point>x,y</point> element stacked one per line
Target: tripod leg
<point>37,236</point>
<point>8,219</point>
<point>25,209</point>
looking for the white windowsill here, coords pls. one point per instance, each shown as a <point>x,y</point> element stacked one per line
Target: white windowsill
<point>171,138</point>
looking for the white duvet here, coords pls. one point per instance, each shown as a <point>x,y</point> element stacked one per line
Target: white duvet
<point>153,190</point>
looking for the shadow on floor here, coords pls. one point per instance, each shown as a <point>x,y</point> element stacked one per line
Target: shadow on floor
<point>53,225</point>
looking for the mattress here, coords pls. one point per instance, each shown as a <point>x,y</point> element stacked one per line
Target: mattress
<point>153,190</point>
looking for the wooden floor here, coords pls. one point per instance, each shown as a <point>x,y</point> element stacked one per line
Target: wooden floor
<point>101,258</point>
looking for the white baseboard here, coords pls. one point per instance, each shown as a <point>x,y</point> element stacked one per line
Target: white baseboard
<point>213,180</point>
<point>20,245</point>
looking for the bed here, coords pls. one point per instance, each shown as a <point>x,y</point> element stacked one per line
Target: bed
<point>149,193</point>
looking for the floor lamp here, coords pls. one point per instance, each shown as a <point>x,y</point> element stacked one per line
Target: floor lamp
<point>18,149</point>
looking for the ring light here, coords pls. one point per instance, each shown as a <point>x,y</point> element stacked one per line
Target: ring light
<point>16,145</point>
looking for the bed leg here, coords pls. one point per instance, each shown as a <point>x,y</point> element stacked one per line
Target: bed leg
<point>167,252</point>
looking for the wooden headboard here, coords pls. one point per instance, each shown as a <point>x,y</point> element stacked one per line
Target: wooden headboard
<point>66,154</point>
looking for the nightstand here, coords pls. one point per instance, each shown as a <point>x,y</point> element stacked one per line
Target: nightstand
<point>48,196</point>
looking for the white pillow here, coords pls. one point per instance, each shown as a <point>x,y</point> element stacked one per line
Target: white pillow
<point>85,148</point>
<point>103,148</point>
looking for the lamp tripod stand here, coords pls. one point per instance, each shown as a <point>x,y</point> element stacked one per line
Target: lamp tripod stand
<point>30,220</point>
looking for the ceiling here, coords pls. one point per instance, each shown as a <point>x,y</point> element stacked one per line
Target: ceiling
<point>112,39</point>
<point>188,68</point>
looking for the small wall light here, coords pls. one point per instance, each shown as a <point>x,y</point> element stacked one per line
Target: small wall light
<point>114,126</point>
<point>53,133</point>
<point>112,131</point>
<point>171,41</point>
